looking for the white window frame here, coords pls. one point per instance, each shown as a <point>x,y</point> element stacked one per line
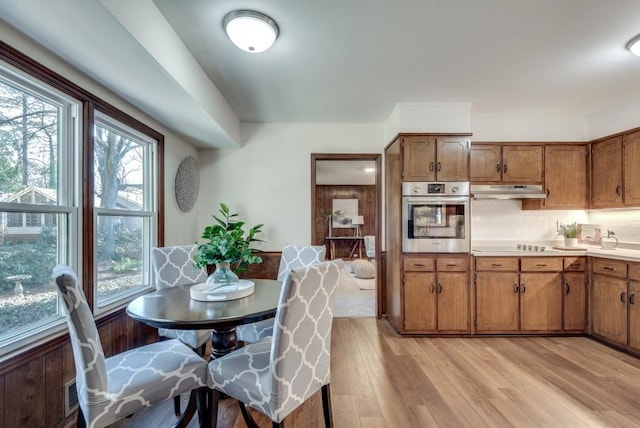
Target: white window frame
<point>149,214</point>
<point>68,198</point>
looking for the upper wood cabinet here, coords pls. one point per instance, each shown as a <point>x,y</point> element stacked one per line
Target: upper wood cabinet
<point>435,158</point>
<point>566,172</point>
<point>631,168</point>
<point>506,163</point>
<point>606,173</point>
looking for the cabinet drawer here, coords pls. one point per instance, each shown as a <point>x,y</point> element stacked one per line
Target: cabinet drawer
<point>541,264</point>
<point>575,263</point>
<point>610,267</point>
<point>457,264</point>
<point>634,271</point>
<point>418,264</point>
<point>497,263</point>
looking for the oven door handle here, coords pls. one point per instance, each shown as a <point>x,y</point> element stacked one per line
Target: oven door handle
<point>436,199</point>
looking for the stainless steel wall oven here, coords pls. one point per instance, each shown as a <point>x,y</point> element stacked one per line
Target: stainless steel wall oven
<point>435,217</point>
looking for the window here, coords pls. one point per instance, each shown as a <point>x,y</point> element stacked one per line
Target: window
<point>79,185</point>
<point>124,208</point>
<point>38,129</point>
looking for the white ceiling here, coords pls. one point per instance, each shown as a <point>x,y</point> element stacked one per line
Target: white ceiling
<point>343,61</point>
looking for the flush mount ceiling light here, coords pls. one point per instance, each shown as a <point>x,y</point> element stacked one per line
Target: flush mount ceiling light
<point>251,31</point>
<point>634,45</point>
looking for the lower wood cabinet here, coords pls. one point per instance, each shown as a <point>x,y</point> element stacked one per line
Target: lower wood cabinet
<point>436,294</point>
<point>615,310</point>
<point>536,295</point>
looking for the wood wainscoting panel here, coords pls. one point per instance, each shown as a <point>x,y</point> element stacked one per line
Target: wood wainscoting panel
<point>54,387</point>
<point>2,412</point>
<point>25,405</point>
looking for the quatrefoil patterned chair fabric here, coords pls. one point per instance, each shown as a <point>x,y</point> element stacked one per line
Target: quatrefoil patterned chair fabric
<point>293,256</point>
<point>277,374</point>
<point>113,388</point>
<point>173,266</point>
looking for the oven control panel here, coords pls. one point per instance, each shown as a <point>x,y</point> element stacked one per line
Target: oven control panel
<point>423,188</point>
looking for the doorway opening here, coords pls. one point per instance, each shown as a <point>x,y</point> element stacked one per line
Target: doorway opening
<point>346,210</point>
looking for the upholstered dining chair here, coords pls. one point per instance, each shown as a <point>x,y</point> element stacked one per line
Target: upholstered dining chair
<point>279,373</point>
<point>173,266</point>
<point>293,256</point>
<point>110,389</point>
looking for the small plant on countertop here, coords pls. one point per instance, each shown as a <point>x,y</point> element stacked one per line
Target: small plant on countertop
<point>569,230</point>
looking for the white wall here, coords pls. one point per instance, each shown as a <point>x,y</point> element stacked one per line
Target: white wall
<point>268,180</point>
<point>615,119</point>
<point>528,126</point>
<point>180,227</point>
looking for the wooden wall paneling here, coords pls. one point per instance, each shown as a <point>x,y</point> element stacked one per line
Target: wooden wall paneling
<point>3,414</point>
<point>106,338</point>
<point>54,388</point>
<point>26,404</point>
<point>119,335</point>
<point>325,194</point>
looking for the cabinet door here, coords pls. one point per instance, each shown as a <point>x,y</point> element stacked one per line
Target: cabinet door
<point>453,302</point>
<point>609,308</point>
<point>486,163</point>
<point>565,177</point>
<point>541,301</point>
<point>420,302</point>
<point>606,173</point>
<point>574,301</point>
<point>452,159</point>
<point>419,158</point>
<point>497,299</point>
<point>522,164</point>
<point>634,315</point>
<point>631,157</point>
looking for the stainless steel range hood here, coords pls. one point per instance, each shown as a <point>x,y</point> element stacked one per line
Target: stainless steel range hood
<point>507,191</point>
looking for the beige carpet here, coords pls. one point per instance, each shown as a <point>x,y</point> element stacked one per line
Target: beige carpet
<point>350,300</point>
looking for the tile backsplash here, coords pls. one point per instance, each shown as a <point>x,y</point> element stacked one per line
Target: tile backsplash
<point>504,220</point>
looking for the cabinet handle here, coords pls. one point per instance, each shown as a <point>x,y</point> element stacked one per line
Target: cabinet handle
<point>623,297</point>
<point>632,298</point>
<point>567,288</point>
<point>433,288</point>
<point>497,167</point>
<point>524,288</point>
<point>575,265</point>
<point>608,268</point>
<point>547,192</point>
<point>515,288</point>
<point>418,264</point>
<point>496,264</point>
<point>619,189</point>
<point>504,168</point>
<point>439,166</point>
<point>541,265</point>
<point>439,288</point>
<point>452,264</point>
<point>430,166</point>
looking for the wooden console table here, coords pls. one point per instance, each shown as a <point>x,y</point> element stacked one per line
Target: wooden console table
<point>355,243</point>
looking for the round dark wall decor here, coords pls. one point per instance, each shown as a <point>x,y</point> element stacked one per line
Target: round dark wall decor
<point>187,183</point>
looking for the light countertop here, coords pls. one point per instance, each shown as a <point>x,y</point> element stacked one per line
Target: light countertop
<point>488,249</point>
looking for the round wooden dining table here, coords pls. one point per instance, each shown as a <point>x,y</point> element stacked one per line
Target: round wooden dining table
<point>173,308</point>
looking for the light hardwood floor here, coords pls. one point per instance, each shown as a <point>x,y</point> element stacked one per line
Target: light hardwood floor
<point>380,379</point>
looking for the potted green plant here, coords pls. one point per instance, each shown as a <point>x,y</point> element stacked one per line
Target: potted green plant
<point>570,234</point>
<point>226,245</point>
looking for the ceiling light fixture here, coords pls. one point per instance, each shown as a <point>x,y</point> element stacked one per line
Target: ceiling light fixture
<point>634,45</point>
<point>251,31</point>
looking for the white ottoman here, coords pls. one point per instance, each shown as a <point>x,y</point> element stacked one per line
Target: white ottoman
<point>363,269</point>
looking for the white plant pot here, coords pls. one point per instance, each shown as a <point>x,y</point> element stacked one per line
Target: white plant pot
<point>570,242</point>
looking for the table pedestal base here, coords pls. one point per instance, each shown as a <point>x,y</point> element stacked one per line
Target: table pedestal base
<point>223,341</point>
